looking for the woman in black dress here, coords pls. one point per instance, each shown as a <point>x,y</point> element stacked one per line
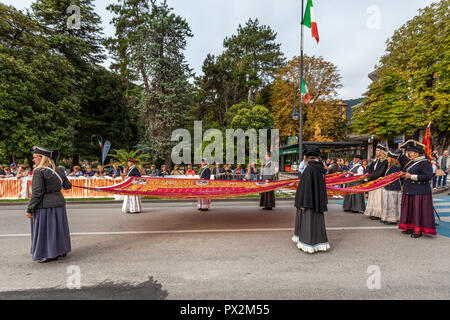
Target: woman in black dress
<point>311,202</point>
<point>50,236</point>
<point>205,174</point>
<point>267,199</point>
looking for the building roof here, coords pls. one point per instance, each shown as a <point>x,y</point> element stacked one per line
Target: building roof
<point>349,109</point>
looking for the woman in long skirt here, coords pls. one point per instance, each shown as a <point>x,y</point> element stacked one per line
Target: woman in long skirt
<point>132,204</point>
<point>311,202</point>
<point>355,202</point>
<point>267,199</point>
<point>376,170</point>
<point>50,235</point>
<point>205,174</point>
<point>417,213</point>
<point>392,194</point>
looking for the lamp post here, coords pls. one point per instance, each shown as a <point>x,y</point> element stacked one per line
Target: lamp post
<point>299,115</point>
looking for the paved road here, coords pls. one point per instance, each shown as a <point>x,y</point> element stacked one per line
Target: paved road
<point>234,251</point>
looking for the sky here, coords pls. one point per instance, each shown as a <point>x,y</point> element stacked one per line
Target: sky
<point>353,33</point>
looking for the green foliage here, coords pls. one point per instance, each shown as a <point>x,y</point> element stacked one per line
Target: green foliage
<point>155,38</point>
<point>36,105</point>
<point>245,116</point>
<point>105,112</point>
<point>121,157</point>
<point>412,86</point>
<point>238,74</point>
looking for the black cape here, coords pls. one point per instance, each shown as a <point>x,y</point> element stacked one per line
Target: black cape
<point>312,191</point>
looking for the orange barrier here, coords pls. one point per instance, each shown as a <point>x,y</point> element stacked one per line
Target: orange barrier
<point>11,189</point>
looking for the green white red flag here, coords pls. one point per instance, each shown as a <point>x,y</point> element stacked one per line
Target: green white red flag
<point>305,92</point>
<point>309,20</point>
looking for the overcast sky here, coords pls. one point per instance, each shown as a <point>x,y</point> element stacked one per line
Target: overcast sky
<point>353,33</point>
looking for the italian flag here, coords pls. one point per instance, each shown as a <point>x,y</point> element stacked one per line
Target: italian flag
<point>305,92</point>
<point>309,20</point>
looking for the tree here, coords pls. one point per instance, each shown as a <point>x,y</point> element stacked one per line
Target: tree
<point>36,105</point>
<point>82,46</point>
<point>244,69</point>
<point>151,39</point>
<point>412,84</point>
<point>323,79</point>
<point>121,157</point>
<point>256,54</point>
<point>106,111</point>
<point>256,118</point>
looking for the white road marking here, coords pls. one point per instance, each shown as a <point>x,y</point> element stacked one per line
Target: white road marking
<point>194,231</point>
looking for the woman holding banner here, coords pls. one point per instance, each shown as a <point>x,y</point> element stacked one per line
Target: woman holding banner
<point>205,174</point>
<point>132,204</point>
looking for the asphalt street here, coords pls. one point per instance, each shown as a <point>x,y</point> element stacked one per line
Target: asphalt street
<point>234,251</point>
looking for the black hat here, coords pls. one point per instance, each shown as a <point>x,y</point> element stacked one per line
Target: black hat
<point>395,154</point>
<point>52,154</point>
<point>311,151</point>
<point>381,146</point>
<point>358,156</point>
<point>413,145</point>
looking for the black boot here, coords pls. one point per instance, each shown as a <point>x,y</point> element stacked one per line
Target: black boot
<point>416,235</point>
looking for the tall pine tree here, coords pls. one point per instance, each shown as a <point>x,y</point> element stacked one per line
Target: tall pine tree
<point>148,46</point>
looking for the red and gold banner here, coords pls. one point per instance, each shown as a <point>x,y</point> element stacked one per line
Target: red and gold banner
<point>366,187</point>
<point>169,188</point>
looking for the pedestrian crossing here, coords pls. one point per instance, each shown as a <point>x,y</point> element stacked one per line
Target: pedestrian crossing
<point>442,206</point>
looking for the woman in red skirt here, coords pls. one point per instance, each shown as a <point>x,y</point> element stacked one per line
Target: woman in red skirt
<point>417,213</point>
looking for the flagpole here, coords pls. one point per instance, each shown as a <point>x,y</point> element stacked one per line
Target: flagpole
<point>300,133</point>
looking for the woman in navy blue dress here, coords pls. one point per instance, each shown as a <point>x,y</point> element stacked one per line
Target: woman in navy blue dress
<point>417,213</point>
<point>50,236</point>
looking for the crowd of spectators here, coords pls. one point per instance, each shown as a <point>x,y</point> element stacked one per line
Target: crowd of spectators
<point>14,171</point>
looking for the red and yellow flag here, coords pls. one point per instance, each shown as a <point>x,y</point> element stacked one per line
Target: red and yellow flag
<point>427,142</point>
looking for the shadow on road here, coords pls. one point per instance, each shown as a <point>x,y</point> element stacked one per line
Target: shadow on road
<point>107,290</point>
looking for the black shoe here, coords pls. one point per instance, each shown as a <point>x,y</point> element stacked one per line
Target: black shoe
<point>407,232</point>
<point>415,235</point>
<point>204,209</point>
<point>44,260</point>
<point>267,208</point>
<point>374,218</point>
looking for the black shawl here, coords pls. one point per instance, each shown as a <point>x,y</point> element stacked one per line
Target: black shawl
<point>312,191</point>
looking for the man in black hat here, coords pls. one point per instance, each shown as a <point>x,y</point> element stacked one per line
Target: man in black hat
<point>267,199</point>
<point>355,202</point>
<point>132,204</point>
<point>311,202</point>
<point>417,212</point>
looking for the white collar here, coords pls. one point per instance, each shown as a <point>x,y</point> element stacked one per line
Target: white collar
<point>419,158</point>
